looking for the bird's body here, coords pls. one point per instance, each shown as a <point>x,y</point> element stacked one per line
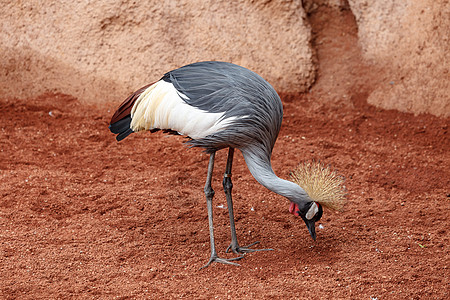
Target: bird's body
<point>218,105</point>
<point>212,103</point>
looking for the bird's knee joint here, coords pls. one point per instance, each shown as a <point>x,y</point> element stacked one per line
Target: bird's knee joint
<point>227,184</point>
<point>209,192</point>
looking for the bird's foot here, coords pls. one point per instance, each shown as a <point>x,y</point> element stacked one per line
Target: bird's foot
<point>246,249</point>
<point>228,261</point>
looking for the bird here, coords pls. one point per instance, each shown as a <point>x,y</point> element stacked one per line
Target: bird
<point>219,105</point>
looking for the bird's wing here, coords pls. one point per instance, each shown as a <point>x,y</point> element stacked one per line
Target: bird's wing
<point>215,87</point>
<point>244,97</point>
<point>217,104</point>
<point>196,100</point>
<point>162,106</point>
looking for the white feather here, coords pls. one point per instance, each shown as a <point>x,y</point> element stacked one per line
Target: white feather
<point>312,211</point>
<point>162,106</point>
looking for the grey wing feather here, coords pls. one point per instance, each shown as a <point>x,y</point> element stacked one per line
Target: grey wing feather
<point>237,92</point>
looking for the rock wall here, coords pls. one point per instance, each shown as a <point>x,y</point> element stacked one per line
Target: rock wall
<point>102,50</point>
<point>410,40</point>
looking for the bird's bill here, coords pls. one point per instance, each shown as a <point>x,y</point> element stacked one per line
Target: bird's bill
<point>311,225</point>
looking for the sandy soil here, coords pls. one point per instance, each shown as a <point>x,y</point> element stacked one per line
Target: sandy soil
<point>82,216</point>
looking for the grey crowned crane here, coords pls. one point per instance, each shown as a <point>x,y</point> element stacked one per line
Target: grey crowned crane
<point>219,105</point>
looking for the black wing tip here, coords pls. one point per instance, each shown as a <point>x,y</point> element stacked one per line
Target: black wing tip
<point>124,134</point>
<point>121,128</point>
<point>121,125</point>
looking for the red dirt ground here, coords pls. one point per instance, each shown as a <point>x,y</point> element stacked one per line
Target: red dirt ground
<point>82,216</point>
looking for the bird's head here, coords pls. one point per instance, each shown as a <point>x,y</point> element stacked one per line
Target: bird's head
<point>320,185</point>
<point>310,212</point>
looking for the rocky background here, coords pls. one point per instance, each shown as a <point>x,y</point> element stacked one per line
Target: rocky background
<point>101,51</point>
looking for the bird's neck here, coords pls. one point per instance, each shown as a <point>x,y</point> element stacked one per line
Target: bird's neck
<point>258,162</point>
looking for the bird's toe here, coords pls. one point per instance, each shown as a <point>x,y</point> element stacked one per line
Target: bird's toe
<point>228,261</point>
<point>245,249</point>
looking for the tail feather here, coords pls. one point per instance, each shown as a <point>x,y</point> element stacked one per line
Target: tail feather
<point>121,120</point>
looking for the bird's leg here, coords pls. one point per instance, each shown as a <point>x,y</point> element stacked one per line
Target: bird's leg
<point>209,193</point>
<point>227,187</point>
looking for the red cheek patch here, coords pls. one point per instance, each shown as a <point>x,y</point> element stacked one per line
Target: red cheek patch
<point>293,209</point>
